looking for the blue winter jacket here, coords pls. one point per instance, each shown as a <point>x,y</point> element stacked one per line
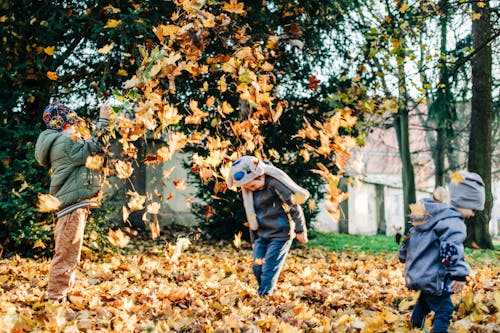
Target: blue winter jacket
<point>433,251</point>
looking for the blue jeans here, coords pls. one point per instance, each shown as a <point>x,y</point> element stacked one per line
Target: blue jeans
<point>442,307</point>
<point>268,259</point>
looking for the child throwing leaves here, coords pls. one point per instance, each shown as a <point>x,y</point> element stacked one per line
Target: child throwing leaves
<point>433,252</point>
<point>272,205</point>
<point>73,185</point>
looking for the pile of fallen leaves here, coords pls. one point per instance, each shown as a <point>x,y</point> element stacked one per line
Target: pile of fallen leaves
<point>183,287</point>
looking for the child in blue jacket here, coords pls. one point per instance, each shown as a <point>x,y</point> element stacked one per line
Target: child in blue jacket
<point>433,251</point>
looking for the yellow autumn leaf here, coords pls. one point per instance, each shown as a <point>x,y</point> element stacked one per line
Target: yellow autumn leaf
<point>221,84</point>
<point>267,67</point>
<point>227,108</point>
<point>237,240</point>
<point>136,201</point>
<point>298,198</point>
<point>122,72</point>
<point>475,16</point>
<point>49,50</point>
<point>404,7</point>
<point>417,210</point>
<point>123,169</point>
<point>112,23</point>
<point>234,7</point>
<point>52,76</point>
<point>457,178</point>
<point>47,203</point>
<point>125,214</point>
<point>106,48</point>
<point>153,208</point>
<point>39,244</point>
<point>94,162</point>
<point>118,238</point>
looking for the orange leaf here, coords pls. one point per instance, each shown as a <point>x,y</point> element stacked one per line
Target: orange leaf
<point>457,178</point>
<point>52,75</point>
<point>234,7</point>
<point>118,238</point>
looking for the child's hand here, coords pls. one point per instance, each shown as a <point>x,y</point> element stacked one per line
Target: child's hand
<point>302,238</point>
<point>457,286</point>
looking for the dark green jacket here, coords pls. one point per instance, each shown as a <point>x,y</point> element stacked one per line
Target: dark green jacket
<point>71,182</point>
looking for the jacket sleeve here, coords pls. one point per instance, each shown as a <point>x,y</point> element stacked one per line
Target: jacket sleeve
<point>294,210</point>
<point>79,151</point>
<point>452,234</point>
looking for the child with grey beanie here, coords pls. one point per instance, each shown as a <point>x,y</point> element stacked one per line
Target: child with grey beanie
<point>433,250</point>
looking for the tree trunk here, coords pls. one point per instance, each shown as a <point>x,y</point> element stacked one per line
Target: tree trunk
<point>480,141</point>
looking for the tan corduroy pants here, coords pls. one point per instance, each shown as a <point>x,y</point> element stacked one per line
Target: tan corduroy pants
<point>68,247</point>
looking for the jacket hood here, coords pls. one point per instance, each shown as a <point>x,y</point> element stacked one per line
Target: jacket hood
<point>436,211</point>
<point>43,145</point>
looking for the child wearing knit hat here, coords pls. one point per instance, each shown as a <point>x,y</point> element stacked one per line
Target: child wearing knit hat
<point>272,204</point>
<point>73,185</point>
<point>433,250</point>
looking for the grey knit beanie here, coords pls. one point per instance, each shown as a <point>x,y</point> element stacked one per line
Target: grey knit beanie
<point>469,193</point>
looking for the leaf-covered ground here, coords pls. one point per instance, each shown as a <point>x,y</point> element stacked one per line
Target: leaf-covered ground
<point>210,288</point>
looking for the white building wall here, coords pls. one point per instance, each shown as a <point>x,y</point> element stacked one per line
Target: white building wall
<point>362,209</point>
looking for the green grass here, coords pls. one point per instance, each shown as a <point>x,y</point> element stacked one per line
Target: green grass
<point>376,244</point>
<point>380,244</point>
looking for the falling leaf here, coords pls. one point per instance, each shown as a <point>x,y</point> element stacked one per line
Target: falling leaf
<point>106,48</point>
<point>181,244</point>
<point>39,244</point>
<point>153,208</point>
<point>417,210</point>
<point>237,240</point>
<point>136,201</point>
<point>179,184</point>
<point>47,203</point>
<point>118,238</point>
<point>475,16</point>
<point>52,75</point>
<point>112,23</point>
<point>234,7</point>
<point>94,162</point>
<point>404,7</point>
<point>49,50</point>
<point>457,178</point>
<point>298,198</point>
<point>123,169</point>
<point>313,83</point>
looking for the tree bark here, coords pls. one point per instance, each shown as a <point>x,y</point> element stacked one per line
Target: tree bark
<point>480,141</point>
<point>401,125</point>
